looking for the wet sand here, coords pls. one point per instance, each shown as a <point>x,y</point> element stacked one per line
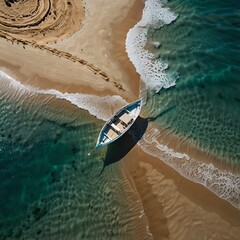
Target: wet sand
<point>175,207</point>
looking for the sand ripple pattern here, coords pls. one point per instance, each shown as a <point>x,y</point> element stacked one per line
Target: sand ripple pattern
<point>40,20</point>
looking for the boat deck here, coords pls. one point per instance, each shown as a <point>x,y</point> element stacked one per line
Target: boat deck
<point>119,123</point>
<point>118,127</point>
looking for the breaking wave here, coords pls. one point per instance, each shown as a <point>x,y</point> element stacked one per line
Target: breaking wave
<point>223,183</point>
<point>101,107</point>
<point>152,72</point>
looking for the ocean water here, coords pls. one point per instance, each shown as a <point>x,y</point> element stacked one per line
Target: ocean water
<point>202,48</point>
<point>50,187</point>
<point>187,53</point>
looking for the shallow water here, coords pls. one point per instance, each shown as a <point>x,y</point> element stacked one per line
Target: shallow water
<point>50,187</point>
<point>187,55</point>
<point>202,48</point>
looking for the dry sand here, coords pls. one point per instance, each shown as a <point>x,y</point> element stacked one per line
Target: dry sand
<point>40,21</point>
<point>83,60</point>
<point>83,50</point>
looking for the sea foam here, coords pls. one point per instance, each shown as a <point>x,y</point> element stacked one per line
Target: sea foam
<point>223,183</point>
<point>100,107</point>
<point>152,72</point>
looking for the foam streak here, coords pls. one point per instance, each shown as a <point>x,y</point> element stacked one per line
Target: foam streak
<point>223,183</point>
<point>152,72</point>
<point>101,107</point>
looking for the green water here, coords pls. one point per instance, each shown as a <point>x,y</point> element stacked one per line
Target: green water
<point>202,48</point>
<point>50,187</point>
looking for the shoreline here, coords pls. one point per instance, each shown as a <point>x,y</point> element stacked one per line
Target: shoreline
<point>37,69</point>
<point>197,194</point>
<point>44,65</point>
<point>204,205</point>
<point>188,147</point>
<point>120,31</point>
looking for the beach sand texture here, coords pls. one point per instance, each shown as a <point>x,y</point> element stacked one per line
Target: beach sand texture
<point>79,47</point>
<point>73,60</point>
<point>40,21</point>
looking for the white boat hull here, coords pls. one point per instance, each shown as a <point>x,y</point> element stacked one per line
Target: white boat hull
<point>119,123</point>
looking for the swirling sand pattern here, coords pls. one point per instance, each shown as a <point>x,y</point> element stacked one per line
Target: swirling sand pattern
<point>40,20</point>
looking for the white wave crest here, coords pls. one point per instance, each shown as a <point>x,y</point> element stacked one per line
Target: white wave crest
<point>101,107</point>
<point>150,70</point>
<point>223,183</point>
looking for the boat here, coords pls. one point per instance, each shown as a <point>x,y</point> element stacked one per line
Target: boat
<point>119,123</point>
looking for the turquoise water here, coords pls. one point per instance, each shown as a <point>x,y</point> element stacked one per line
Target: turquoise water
<point>50,187</point>
<point>201,47</point>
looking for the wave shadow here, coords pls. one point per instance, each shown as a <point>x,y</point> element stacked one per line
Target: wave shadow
<point>118,149</point>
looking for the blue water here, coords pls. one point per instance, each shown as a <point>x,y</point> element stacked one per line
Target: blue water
<point>202,47</point>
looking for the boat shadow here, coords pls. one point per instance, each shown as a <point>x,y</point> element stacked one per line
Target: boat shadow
<point>118,149</point>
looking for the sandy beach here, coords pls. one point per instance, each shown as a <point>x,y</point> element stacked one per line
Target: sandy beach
<point>72,65</point>
<point>177,208</point>
<point>86,54</point>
